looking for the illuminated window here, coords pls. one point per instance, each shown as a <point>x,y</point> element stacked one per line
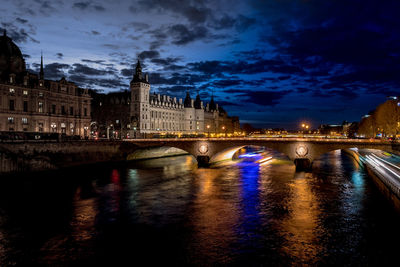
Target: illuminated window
<point>25,92</point>
<point>40,94</point>
<point>12,90</point>
<point>10,119</point>
<point>40,107</point>
<point>24,120</point>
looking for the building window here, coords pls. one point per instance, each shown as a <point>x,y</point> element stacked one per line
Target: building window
<point>71,111</point>
<point>24,120</point>
<point>40,94</point>
<point>63,110</point>
<point>40,107</point>
<point>85,112</point>
<point>53,109</point>
<point>25,106</point>
<point>10,120</point>
<point>53,126</point>
<point>25,92</point>
<point>63,128</point>
<point>40,126</point>
<point>12,106</point>
<point>12,91</point>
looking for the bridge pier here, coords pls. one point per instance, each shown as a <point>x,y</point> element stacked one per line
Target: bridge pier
<point>203,161</point>
<point>303,164</point>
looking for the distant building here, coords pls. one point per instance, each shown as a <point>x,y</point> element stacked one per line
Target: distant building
<point>144,114</point>
<point>31,103</point>
<point>333,129</point>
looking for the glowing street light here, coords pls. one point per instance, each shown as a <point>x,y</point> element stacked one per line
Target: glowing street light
<point>224,129</point>
<point>304,126</point>
<point>208,128</point>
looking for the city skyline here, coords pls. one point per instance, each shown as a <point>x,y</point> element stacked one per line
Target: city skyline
<point>315,62</point>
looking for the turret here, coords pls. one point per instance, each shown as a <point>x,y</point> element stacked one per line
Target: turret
<point>188,101</point>
<point>138,75</point>
<point>212,105</point>
<point>197,102</point>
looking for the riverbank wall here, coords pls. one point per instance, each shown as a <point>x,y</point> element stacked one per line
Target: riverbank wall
<point>24,157</point>
<point>386,186</point>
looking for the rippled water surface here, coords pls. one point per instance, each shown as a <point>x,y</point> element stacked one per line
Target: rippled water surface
<point>168,211</point>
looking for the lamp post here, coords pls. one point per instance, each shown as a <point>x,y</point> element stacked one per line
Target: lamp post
<point>208,129</point>
<point>224,129</point>
<point>304,126</point>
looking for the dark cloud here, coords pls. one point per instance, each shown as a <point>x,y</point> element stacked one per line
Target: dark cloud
<point>95,32</point>
<point>245,67</point>
<point>194,12</point>
<point>79,69</point>
<point>137,26</point>
<point>360,42</point>
<point>243,23</point>
<point>148,54</point>
<point>60,55</point>
<point>88,5</point>
<point>175,91</point>
<point>54,70</point>
<point>19,35</point>
<point>226,83</point>
<point>127,72</point>
<point>90,82</point>
<point>225,22</point>
<point>183,35</point>
<point>224,103</point>
<point>263,98</point>
<point>20,20</point>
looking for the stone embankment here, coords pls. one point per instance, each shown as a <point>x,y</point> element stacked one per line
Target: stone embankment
<point>389,186</point>
<point>26,156</point>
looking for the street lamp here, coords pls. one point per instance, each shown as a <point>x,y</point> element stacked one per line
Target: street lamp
<point>304,126</point>
<point>208,129</point>
<point>224,129</point>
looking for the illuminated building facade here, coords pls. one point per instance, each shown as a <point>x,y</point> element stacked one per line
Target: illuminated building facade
<point>30,103</point>
<point>161,114</point>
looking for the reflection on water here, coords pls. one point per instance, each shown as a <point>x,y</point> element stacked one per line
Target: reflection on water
<point>241,212</point>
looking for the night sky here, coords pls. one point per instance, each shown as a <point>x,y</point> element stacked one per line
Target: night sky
<point>273,63</point>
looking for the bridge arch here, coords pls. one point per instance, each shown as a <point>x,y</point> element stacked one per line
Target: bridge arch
<point>155,152</point>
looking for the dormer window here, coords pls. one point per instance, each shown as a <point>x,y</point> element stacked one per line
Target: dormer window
<point>11,79</point>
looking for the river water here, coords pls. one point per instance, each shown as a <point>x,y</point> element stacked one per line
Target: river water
<point>167,211</point>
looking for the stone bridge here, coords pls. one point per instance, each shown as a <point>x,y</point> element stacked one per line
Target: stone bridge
<point>302,151</point>
<point>33,155</point>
